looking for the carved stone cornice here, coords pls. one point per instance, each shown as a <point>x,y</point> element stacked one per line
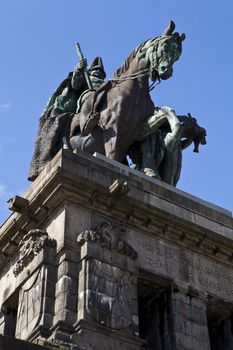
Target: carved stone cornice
<point>149,205</point>
<point>30,246</point>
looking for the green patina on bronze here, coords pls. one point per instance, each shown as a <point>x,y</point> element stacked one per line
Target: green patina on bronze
<point>118,117</point>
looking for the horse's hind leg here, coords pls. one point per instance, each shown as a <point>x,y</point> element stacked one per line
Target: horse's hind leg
<point>110,144</point>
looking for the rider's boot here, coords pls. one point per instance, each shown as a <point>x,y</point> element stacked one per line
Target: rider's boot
<point>91,122</point>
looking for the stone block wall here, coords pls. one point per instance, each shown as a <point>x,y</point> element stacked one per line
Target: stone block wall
<point>106,258</point>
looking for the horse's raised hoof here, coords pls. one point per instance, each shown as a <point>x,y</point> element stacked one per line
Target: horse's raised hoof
<point>91,122</point>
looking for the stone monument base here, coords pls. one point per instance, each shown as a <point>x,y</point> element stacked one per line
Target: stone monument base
<point>99,256</point>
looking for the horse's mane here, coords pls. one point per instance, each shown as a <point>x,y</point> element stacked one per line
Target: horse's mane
<point>133,54</point>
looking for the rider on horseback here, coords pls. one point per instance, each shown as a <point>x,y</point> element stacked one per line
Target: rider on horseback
<point>59,111</point>
<point>97,76</point>
<point>65,97</point>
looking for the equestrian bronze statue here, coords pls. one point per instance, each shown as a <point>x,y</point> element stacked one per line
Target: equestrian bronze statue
<point>118,118</point>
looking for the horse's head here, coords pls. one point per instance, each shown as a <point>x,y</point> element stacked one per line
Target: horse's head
<point>164,52</point>
<point>155,56</point>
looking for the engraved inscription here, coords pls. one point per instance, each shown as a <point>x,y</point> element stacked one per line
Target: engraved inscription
<point>156,256</point>
<point>179,264</point>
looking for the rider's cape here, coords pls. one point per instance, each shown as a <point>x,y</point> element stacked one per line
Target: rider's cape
<point>52,130</point>
<point>53,126</point>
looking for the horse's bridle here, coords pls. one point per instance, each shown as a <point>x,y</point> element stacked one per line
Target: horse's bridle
<point>144,72</point>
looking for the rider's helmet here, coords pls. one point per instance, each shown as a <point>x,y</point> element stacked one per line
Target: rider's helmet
<point>97,68</point>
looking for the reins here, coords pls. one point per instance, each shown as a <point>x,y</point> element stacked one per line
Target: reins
<point>139,74</point>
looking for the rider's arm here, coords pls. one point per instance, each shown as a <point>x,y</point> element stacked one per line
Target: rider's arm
<point>78,78</point>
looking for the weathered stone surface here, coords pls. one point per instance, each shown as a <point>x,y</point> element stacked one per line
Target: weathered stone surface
<point>10,343</point>
<point>107,298</point>
<point>67,268</point>
<point>35,307</point>
<point>183,266</point>
<point>66,293</point>
<point>89,292</point>
<point>189,322</point>
<point>98,337</point>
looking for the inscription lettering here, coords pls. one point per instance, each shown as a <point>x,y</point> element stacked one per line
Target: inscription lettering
<point>190,269</point>
<point>153,249</point>
<point>207,283</point>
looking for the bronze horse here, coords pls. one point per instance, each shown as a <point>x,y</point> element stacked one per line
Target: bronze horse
<point>124,103</point>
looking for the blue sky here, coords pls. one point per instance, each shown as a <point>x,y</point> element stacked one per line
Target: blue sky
<point>37,51</point>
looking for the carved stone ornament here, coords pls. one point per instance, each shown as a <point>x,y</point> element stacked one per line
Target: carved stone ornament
<point>109,235</point>
<point>31,244</point>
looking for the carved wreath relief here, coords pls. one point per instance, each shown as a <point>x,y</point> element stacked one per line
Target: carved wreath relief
<point>31,244</point>
<point>109,235</point>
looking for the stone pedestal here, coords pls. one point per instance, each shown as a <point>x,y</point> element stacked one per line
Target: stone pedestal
<point>103,257</point>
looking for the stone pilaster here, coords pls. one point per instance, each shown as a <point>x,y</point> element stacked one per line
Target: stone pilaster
<point>107,305</point>
<point>66,296</point>
<point>187,321</point>
<point>35,267</point>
